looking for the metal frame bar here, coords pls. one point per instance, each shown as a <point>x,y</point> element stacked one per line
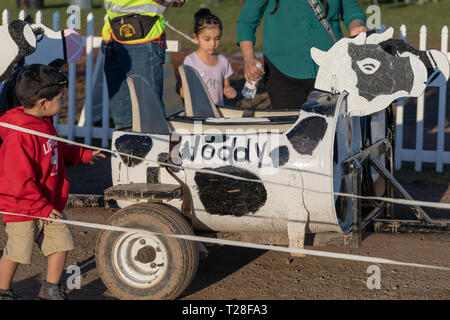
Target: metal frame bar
<point>395,185</point>
<point>356,172</point>
<point>353,166</point>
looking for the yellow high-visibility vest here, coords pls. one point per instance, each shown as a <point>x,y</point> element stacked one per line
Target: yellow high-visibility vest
<point>117,8</point>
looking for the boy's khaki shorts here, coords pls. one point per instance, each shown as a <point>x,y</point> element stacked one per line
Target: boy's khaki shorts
<point>51,238</point>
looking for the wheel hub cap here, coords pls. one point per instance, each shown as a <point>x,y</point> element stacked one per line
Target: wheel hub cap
<point>140,260</point>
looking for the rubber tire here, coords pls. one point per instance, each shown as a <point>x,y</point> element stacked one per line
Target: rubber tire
<point>183,255</point>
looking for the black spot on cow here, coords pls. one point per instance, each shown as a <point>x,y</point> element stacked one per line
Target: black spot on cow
<point>320,103</point>
<point>162,159</point>
<point>307,134</point>
<point>227,196</point>
<point>393,74</point>
<point>135,145</point>
<point>279,156</point>
<point>396,47</point>
<point>153,175</point>
<point>324,110</point>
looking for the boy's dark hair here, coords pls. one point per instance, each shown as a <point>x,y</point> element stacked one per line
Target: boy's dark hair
<point>203,18</point>
<point>38,81</point>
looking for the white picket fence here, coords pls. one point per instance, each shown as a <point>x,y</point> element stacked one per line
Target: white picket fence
<point>419,155</point>
<point>94,73</point>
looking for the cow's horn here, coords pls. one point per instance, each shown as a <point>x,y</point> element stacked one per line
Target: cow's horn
<point>318,55</point>
<point>389,32</point>
<point>377,38</point>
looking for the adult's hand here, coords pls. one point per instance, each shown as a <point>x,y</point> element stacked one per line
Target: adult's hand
<point>251,71</point>
<point>356,27</point>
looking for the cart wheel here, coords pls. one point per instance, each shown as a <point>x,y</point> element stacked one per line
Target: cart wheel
<point>142,266</point>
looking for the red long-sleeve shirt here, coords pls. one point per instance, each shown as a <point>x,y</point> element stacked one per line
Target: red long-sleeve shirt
<point>32,168</point>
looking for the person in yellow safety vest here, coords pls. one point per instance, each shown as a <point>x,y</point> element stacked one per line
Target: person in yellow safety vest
<point>134,42</point>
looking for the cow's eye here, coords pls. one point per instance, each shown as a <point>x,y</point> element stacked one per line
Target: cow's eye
<point>368,65</point>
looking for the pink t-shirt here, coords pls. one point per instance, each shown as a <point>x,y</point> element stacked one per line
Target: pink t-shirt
<point>213,76</point>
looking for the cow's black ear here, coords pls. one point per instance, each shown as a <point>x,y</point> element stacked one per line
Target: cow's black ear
<point>39,33</point>
<point>28,19</point>
<point>23,36</point>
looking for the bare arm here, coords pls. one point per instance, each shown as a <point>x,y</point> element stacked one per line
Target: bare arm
<point>228,91</point>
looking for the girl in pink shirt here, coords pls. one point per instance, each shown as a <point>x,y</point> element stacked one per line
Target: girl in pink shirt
<point>214,68</point>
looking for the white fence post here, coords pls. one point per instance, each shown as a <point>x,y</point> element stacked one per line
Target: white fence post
<point>72,96</point>
<point>39,17</point>
<point>444,40</point>
<point>420,110</point>
<point>442,106</point>
<point>5,17</point>
<point>56,21</point>
<point>399,121</point>
<point>105,114</point>
<point>55,27</point>
<point>89,73</point>
<point>22,14</point>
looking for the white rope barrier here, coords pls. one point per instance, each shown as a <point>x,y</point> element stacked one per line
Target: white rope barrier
<point>230,242</point>
<point>180,33</point>
<point>316,253</point>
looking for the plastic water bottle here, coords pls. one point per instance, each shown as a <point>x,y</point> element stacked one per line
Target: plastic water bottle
<point>249,90</point>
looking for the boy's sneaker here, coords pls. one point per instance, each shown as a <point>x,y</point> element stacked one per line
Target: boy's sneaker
<point>51,291</point>
<point>9,295</point>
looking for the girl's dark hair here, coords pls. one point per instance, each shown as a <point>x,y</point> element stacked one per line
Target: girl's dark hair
<point>203,18</point>
<point>277,5</point>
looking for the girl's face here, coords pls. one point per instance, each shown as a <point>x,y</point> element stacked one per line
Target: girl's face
<point>208,39</point>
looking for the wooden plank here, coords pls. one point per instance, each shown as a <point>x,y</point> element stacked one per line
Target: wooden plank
<point>143,191</point>
<point>89,201</point>
<point>329,239</point>
<point>411,226</point>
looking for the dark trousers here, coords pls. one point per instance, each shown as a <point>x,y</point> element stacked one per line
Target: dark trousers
<point>284,91</point>
<point>122,60</point>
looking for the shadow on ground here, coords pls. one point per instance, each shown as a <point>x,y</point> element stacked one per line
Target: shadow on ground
<point>221,262</point>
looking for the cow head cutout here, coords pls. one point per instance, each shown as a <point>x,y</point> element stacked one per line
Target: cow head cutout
<point>36,43</point>
<point>374,74</point>
<point>18,40</point>
<point>26,43</point>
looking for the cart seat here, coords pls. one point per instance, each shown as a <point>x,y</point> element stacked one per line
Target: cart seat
<point>197,100</point>
<point>147,110</point>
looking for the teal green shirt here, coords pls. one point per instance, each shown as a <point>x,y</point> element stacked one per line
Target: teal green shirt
<point>293,30</point>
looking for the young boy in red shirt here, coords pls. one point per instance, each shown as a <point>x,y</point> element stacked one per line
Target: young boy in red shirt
<point>33,180</point>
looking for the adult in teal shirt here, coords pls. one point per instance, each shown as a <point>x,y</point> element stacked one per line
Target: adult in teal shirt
<point>290,30</point>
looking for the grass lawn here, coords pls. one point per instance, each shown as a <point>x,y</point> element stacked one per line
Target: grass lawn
<point>433,15</point>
